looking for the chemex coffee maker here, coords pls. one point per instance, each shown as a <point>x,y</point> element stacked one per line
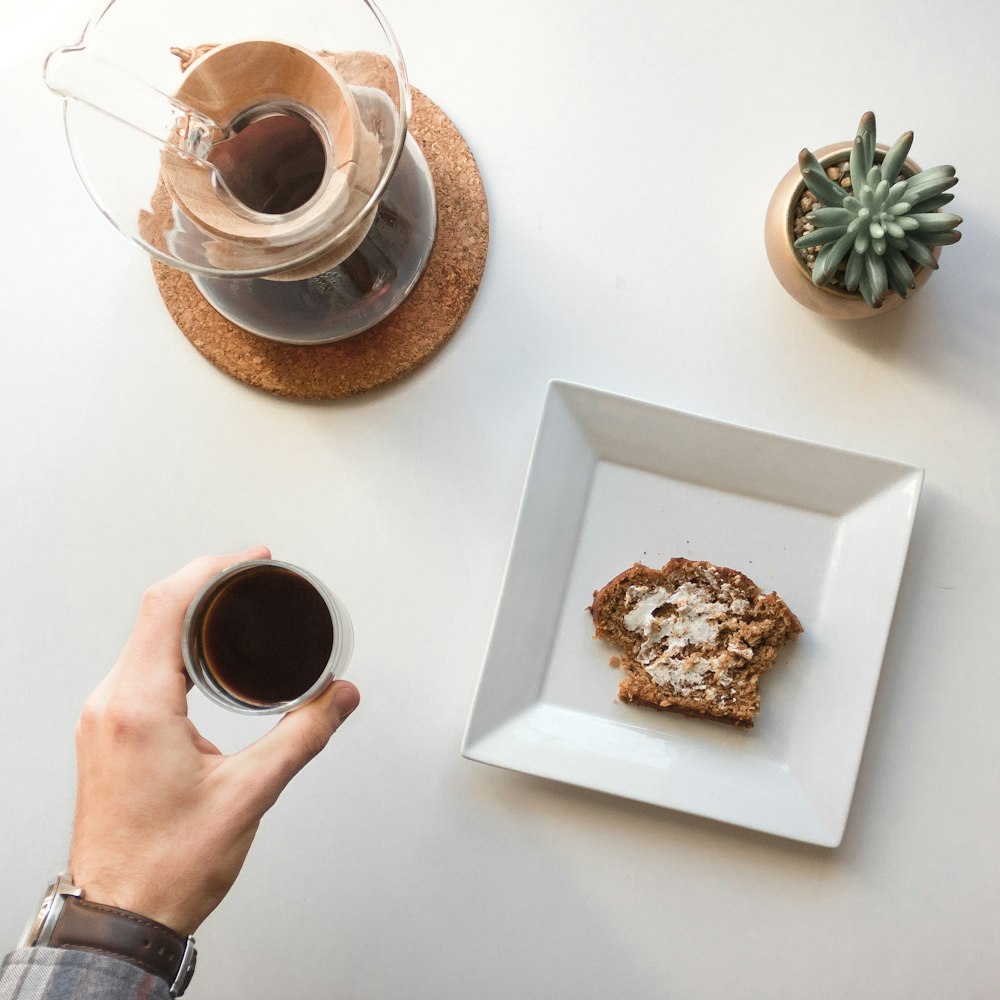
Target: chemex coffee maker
<point>262,149</point>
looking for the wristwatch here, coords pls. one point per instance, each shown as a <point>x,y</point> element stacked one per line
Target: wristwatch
<point>67,920</point>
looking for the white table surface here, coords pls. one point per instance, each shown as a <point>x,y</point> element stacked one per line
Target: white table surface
<point>628,153</point>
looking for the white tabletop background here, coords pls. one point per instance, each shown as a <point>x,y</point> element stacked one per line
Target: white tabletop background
<point>628,153</point>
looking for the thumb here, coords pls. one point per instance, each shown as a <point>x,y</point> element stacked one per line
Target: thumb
<point>273,760</point>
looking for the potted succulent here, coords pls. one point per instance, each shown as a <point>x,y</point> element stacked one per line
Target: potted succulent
<point>854,228</point>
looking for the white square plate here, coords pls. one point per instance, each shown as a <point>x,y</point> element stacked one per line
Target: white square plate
<point>614,481</point>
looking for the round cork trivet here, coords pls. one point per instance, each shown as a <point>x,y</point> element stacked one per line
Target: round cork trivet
<point>398,344</point>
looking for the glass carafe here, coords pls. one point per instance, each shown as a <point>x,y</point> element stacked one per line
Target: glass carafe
<point>261,147</point>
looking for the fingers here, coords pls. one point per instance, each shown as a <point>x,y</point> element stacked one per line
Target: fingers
<point>272,761</point>
<point>154,645</point>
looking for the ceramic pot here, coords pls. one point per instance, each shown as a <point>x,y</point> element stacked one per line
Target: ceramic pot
<point>790,269</point>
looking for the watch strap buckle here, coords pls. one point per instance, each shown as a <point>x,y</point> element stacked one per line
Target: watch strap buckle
<point>185,970</point>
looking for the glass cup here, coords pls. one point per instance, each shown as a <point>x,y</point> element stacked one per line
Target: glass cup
<point>265,636</point>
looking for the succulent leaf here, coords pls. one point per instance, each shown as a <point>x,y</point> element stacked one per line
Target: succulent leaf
<point>831,216</point>
<point>935,222</point>
<point>829,257</point>
<point>933,204</point>
<point>866,131</point>
<point>884,226</point>
<point>878,280</point>
<point>919,189</point>
<point>897,286</point>
<point>917,249</point>
<point>865,285</point>
<point>893,161</point>
<point>815,178</point>
<point>942,170</point>
<point>820,237</point>
<point>942,239</point>
<point>855,265</point>
<point>896,193</point>
<point>858,166</point>
<point>900,273</point>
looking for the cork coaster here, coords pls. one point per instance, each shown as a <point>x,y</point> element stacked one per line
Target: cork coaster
<point>398,344</point>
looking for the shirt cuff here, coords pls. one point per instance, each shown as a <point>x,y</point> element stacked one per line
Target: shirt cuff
<point>64,973</point>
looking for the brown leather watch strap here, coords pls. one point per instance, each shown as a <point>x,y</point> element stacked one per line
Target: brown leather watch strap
<point>106,929</point>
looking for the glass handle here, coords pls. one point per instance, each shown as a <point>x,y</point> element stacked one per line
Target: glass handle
<point>75,73</point>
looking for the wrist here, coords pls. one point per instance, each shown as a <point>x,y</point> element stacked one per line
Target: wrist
<point>132,900</point>
<point>66,919</point>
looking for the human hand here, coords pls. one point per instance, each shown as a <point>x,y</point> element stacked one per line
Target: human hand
<point>164,820</point>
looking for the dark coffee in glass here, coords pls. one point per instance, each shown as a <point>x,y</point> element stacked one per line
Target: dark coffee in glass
<point>265,636</point>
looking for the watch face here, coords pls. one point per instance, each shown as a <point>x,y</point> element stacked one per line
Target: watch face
<point>40,928</point>
<point>30,935</point>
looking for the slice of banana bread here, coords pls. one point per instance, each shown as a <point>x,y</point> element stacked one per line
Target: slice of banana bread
<point>695,637</point>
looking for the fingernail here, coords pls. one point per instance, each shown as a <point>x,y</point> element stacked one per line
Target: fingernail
<point>345,699</point>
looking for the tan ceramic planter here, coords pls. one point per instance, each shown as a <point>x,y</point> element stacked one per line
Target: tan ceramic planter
<point>788,266</point>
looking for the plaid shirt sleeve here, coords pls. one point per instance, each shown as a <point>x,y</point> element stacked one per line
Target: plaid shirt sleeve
<point>68,974</point>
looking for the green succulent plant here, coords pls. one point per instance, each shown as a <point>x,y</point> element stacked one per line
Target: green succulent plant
<point>885,225</point>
